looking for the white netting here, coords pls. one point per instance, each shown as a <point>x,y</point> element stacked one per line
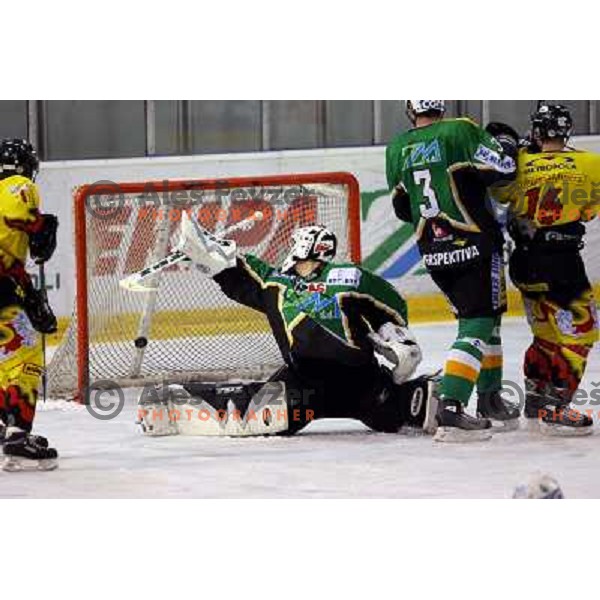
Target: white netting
<point>192,328</point>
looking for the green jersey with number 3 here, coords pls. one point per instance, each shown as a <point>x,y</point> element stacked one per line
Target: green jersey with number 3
<point>442,171</point>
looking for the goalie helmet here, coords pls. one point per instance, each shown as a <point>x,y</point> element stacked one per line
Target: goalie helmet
<point>421,107</point>
<point>551,121</point>
<point>315,242</point>
<point>18,157</point>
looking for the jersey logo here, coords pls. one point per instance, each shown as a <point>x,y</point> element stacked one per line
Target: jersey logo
<point>349,276</point>
<point>564,320</point>
<point>317,286</point>
<point>552,158</point>
<point>451,257</point>
<point>421,154</point>
<point>325,307</point>
<point>545,164</point>
<point>490,157</point>
<point>21,190</point>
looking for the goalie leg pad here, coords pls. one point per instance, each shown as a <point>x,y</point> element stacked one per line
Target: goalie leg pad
<point>236,410</point>
<point>412,404</point>
<point>156,416</point>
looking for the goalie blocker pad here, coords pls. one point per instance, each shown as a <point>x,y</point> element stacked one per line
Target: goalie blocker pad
<point>214,409</point>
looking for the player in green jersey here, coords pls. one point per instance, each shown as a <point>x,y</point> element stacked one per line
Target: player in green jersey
<point>440,171</point>
<point>330,322</point>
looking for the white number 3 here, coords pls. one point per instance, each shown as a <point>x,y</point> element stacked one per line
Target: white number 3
<point>430,207</point>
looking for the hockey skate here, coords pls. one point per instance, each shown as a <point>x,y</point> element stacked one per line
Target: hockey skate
<point>549,412</point>
<point>24,452</point>
<point>455,425</point>
<point>503,414</point>
<point>38,439</point>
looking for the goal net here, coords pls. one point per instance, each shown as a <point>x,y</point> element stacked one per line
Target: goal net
<point>186,329</point>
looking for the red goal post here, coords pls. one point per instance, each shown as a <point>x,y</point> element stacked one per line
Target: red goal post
<point>189,329</point>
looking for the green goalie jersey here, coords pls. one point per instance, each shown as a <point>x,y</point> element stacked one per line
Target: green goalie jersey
<point>326,317</point>
<point>440,175</point>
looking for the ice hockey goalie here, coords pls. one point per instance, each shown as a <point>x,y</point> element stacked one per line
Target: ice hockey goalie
<point>343,335</point>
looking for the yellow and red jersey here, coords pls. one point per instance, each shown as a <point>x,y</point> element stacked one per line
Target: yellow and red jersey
<point>554,188</point>
<point>19,217</point>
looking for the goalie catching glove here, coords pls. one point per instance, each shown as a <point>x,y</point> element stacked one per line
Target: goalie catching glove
<point>399,346</point>
<point>212,254</point>
<point>209,252</point>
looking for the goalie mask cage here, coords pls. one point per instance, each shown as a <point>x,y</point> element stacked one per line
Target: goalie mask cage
<point>186,329</point>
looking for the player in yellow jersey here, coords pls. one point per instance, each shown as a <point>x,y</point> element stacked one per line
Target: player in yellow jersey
<point>557,190</point>
<point>24,311</point>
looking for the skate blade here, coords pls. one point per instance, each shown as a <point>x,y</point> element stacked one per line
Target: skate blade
<point>532,426</point>
<point>409,431</point>
<point>456,435</point>
<point>160,433</point>
<point>538,427</point>
<point>430,422</point>
<point>551,430</point>
<point>14,464</point>
<point>505,426</point>
<point>153,431</point>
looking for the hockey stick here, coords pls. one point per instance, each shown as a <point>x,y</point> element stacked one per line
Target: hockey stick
<point>134,282</point>
<point>42,283</point>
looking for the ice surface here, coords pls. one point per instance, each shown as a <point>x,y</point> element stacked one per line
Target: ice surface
<point>330,459</point>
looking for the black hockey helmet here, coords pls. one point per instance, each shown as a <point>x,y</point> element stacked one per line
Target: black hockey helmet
<point>18,157</point>
<point>551,121</point>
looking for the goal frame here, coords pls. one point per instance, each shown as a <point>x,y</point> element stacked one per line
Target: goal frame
<point>82,193</point>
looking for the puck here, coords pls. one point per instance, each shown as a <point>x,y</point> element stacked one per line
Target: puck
<point>141,342</point>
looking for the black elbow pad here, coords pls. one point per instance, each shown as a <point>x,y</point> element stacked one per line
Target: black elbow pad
<point>506,136</point>
<point>401,204</point>
<point>42,243</point>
